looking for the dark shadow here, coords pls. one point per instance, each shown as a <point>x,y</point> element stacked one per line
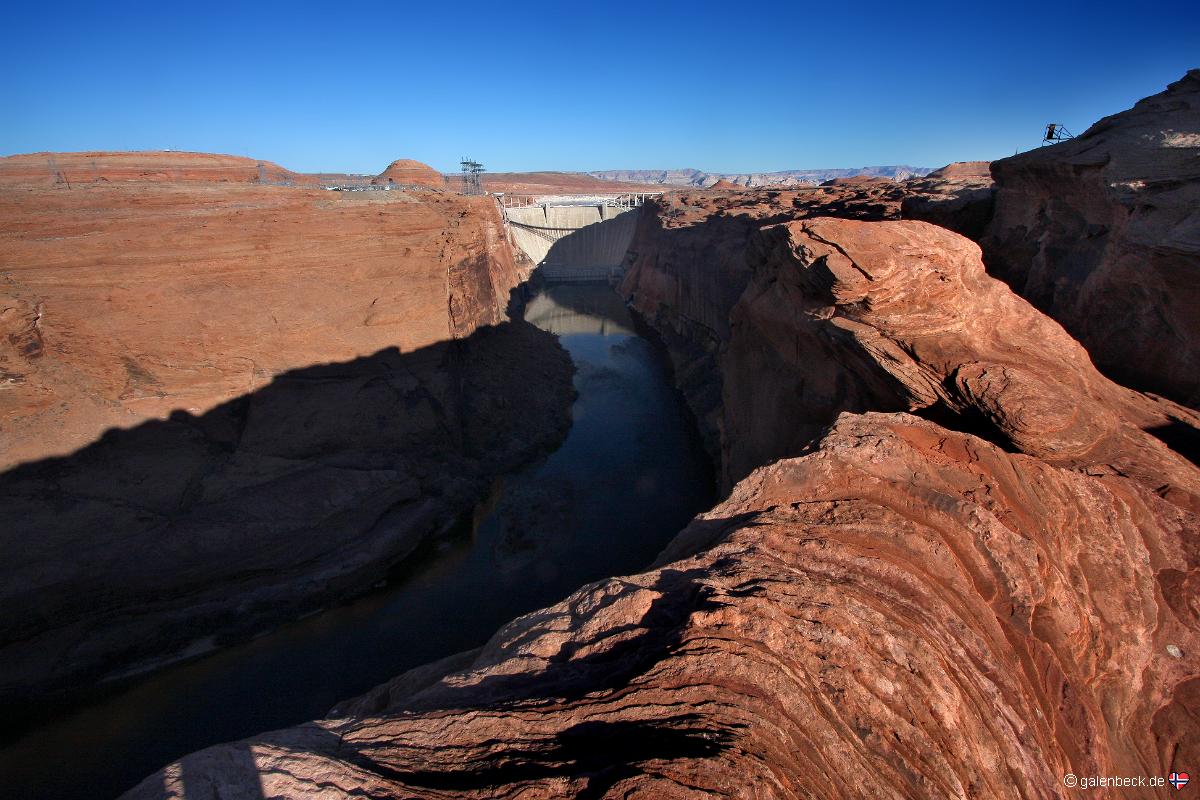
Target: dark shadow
<point>969,420</point>
<point>1181,437</point>
<point>569,678</point>
<point>238,768</point>
<point>270,505</point>
<point>603,752</point>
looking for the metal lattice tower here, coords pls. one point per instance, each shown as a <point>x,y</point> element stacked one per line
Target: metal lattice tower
<point>1056,132</point>
<point>471,171</point>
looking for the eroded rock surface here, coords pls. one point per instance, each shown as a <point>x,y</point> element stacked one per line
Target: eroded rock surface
<point>904,612</point>
<point>1102,232</point>
<point>121,302</point>
<point>848,315</point>
<point>225,404</point>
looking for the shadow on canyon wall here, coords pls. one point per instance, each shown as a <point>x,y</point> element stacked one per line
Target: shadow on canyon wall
<point>202,529</point>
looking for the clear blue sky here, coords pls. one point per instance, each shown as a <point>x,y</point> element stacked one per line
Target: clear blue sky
<point>523,85</point>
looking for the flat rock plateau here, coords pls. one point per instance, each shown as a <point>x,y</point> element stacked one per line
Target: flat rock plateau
<point>955,559</point>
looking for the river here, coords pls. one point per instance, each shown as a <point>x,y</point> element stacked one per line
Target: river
<point>630,474</point>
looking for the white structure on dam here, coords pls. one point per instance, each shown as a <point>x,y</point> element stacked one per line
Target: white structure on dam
<point>574,237</point>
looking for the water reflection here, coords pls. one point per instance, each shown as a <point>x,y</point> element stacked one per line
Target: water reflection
<point>628,476</point>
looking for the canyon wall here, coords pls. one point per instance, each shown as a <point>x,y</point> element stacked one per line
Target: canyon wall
<point>1102,232</point>
<point>226,404</point>
<point>891,607</point>
<point>122,301</point>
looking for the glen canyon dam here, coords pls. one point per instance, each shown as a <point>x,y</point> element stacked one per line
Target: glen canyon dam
<point>373,425</point>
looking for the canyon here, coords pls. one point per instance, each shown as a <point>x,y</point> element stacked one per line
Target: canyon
<point>958,550</point>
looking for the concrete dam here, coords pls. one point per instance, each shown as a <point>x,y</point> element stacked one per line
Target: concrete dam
<point>574,238</point>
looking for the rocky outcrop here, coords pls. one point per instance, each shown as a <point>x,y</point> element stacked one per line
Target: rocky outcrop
<point>904,612</point>
<point>855,316</point>
<point>958,197</point>
<point>226,405</point>
<point>408,172</point>
<point>176,536</point>
<point>687,268</point>
<point>1102,233</point>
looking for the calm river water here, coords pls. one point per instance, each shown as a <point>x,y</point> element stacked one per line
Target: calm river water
<point>629,475</point>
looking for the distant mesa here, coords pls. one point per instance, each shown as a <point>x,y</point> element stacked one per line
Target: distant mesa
<point>963,169</point>
<point>791,177</point>
<point>408,171</point>
<point>856,180</point>
<point>159,166</point>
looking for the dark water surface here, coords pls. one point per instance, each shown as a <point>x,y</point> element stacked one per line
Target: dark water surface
<point>629,475</point>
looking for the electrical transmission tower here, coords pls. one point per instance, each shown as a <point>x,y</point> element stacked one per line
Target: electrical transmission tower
<point>471,170</point>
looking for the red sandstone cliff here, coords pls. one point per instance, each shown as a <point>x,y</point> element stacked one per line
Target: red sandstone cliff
<point>1102,233</point>
<point>224,405</point>
<point>126,301</point>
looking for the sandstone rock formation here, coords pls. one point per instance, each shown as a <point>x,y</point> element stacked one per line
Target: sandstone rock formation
<point>958,197</point>
<point>893,608</point>
<point>963,170</point>
<point>848,315</point>
<point>1102,232</point>
<point>408,172</point>
<point>687,265</point>
<point>224,405</point>
<point>905,612</point>
<point>123,302</point>
<point>166,166</point>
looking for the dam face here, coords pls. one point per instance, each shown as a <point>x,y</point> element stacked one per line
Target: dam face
<point>575,239</point>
